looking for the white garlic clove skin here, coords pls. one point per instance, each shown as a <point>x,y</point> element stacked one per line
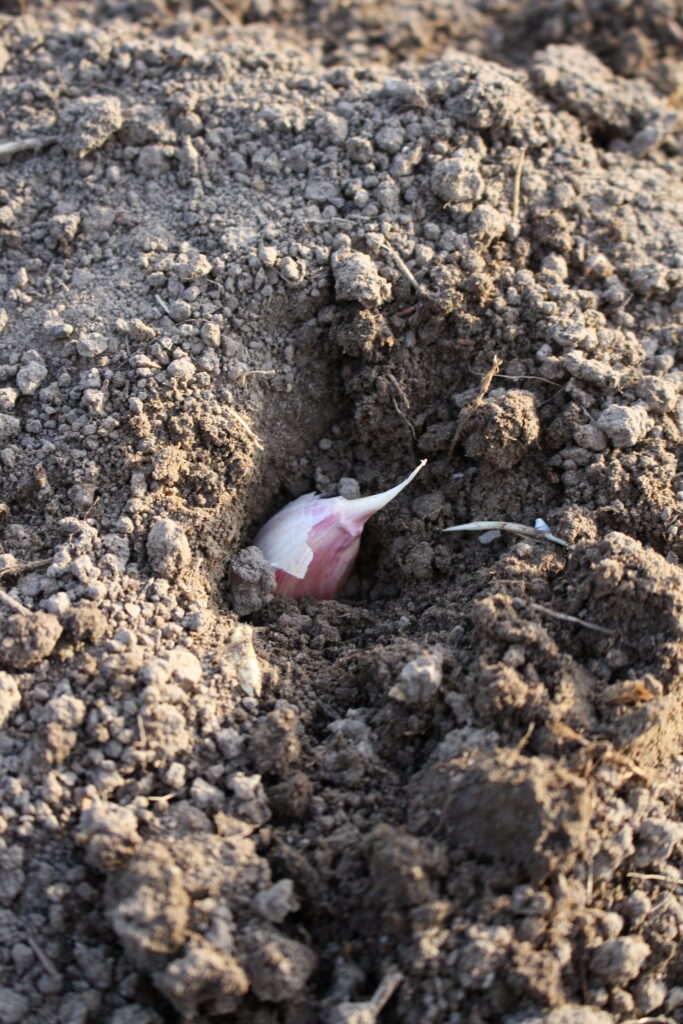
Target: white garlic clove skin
<point>312,543</point>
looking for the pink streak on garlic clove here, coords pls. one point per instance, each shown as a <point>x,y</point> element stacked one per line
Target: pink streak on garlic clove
<point>312,543</point>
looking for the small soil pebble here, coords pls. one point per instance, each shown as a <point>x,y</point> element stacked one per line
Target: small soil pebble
<point>28,639</point>
<point>624,425</point>
<point>168,549</point>
<point>501,429</point>
<point>357,279</point>
<point>250,581</point>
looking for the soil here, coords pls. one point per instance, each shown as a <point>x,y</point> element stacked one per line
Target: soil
<point>253,249</point>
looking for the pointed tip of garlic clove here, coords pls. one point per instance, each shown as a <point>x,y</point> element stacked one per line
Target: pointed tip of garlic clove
<point>360,509</point>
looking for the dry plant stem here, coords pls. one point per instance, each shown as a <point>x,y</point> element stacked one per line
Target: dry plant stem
<point>20,569</point>
<point>163,305</point>
<point>652,877</point>
<point>480,525</point>
<point>385,990</point>
<point>626,762</point>
<point>21,145</point>
<point>142,734</point>
<point>44,959</point>
<point>404,268</point>
<point>485,384</point>
<point>12,603</point>
<point>254,437</point>
<point>224,12</point>
<point>404,415</point>
<point>571,618</point>
<point>525,376</point>
<point>476,401</point>
<point>240,380</point>
<point>565,732</point>
<point>525,738</point>
<point>517,189</point>
<point>404,418</point>
<point>650,1020</point>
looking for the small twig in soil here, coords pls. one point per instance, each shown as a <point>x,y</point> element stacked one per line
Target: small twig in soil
<point>239,380</point>
<point>524,376</point>
<point>370,1009</point>
<point>163,305</point>
<point>476,401</point>
<point>649,1020</point>
<point>571,618</point>
<point>596,748</point>
<point>485,384</point>
<point>482,525</point>
<point>628,691</point>
<point>517,188</point>
<point>10,148</point>
<point>224,12</point>
<point>565,732</point>
<point>23,567</point>
<point>44,959</point>
<point>403,417</point>
<point>406,401</point>
<point>142,734</point>
<point>254,437</point>
<point>652,877</point>
<point>404,268</point>
<point>533,376</point>
<point>386,989</point>
<point>555,393</point>
<point>626,762</point>
<point>12,603</point>
<point>525,738</point>
<point>399,387</point>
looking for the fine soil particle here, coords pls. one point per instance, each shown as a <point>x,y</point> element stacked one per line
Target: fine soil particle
<point>250,250</point>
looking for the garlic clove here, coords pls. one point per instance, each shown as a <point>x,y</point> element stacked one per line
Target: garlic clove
<point>312,543</point>
<point>284,538</point>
